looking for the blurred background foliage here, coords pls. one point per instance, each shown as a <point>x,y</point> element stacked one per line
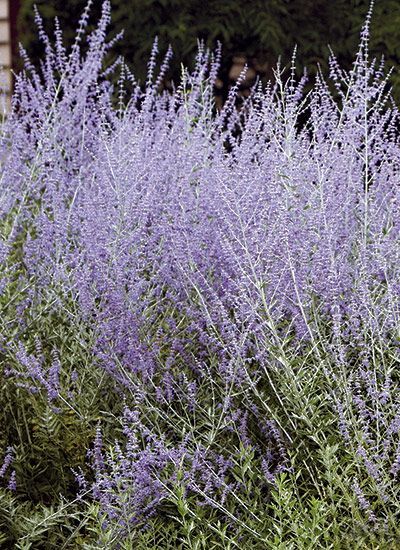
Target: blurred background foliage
<point>256,32</point>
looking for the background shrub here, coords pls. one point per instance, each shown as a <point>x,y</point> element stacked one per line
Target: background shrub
<point>259,32</point>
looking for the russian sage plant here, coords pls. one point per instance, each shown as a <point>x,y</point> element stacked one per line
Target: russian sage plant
<point>221,287</point>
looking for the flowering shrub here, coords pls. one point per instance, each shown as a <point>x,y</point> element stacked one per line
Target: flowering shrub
<point>210,298</point>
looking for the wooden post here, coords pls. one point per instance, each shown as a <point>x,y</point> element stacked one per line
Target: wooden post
<point>8,14</point>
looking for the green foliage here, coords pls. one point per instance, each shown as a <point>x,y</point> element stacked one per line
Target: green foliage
<point>261,31</point>
<point>311,506</point>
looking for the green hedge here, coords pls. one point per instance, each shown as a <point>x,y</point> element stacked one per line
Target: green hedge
<point>261,30</point>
